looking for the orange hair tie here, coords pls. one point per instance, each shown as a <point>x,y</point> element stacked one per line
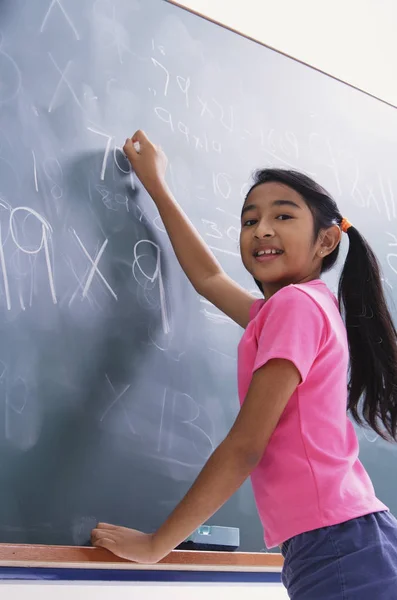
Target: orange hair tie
<point>345,225</point>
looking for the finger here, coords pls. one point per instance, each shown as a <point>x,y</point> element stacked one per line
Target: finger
<point>107,526</point>
<point>132,150</point>
<point>140,136</point>
<point>105,543</point>
<point>100,534</point>
<point>96,534</point>
<point>129,146</point>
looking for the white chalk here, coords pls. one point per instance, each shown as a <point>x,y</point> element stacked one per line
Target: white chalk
<point>137,146</point>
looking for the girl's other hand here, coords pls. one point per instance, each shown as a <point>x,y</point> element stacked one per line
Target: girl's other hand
<point>126,543</point>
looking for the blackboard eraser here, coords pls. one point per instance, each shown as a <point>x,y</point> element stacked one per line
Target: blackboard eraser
<point>213,538</point>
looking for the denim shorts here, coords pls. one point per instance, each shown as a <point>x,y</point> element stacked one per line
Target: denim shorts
<point>355,560</point>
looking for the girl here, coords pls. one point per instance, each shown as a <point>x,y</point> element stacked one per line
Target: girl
<point>292,435</point>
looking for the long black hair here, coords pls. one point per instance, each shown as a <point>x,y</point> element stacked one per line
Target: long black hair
<point>372,337</point>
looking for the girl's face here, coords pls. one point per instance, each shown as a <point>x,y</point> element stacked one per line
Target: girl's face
<point>276,218</point>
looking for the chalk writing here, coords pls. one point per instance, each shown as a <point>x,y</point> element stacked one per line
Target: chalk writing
<point>46,231</point>
<point>63,11</point>
<point>156,276</point>
<point>62,80</point>
<point>94,269</point>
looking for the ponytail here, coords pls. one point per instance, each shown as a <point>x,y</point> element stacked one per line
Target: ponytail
<point>372,340</point>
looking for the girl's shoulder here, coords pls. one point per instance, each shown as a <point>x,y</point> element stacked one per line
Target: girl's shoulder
<point>303,293</point>
<point>256,307</point>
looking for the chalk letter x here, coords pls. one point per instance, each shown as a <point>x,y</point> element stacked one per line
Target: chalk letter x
<point>94,268</point>
<point>62,79</point>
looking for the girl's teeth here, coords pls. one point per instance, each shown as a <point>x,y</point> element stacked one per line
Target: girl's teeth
<point>262,252</point>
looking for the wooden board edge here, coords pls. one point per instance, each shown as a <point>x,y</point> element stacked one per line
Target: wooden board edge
<point>23,555</point>
<point>252,39</point>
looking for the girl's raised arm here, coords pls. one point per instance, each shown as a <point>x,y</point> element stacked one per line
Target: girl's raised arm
<point>195,258</point>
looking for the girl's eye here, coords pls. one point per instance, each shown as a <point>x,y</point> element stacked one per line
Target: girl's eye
<point>284,217</point>
<point>249,222</point>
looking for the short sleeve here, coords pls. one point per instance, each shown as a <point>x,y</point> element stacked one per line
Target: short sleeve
<point>293,328</point>
<point>255,308</point>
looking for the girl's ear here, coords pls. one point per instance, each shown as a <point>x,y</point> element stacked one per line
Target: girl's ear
<point>328,240</point>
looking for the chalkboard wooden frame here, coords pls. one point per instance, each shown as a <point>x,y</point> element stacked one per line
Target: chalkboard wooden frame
<point>71,563</point>
<point>78,556</point>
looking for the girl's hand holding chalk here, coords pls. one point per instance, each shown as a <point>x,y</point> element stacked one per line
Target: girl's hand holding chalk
<point>148,161</point>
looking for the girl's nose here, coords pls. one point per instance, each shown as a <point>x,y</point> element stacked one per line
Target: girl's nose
<point>263,229</point>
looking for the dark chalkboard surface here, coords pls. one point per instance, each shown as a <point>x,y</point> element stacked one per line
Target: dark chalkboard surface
<point>116,379</point>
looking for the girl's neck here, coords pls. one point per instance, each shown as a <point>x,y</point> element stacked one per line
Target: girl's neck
<point>269,289</point>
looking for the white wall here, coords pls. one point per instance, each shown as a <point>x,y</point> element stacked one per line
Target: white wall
<point>353,40</point>
<point>108,591</point>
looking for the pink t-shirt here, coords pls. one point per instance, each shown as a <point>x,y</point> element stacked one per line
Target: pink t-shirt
<point>310,475</point>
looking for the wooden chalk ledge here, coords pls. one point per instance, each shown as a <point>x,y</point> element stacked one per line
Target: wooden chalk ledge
<point>21,555</point>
